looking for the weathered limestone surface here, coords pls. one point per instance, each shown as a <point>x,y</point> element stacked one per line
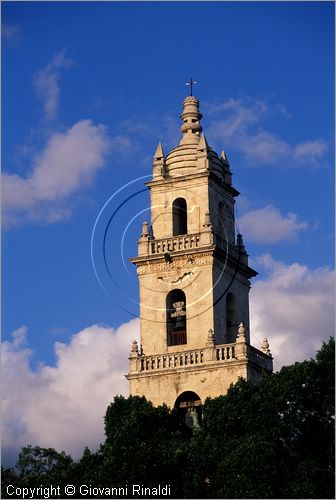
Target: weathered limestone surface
<point>208,264</point>
<point>206,382</point>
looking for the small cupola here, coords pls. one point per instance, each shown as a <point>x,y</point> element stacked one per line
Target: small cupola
<point>191,117</point>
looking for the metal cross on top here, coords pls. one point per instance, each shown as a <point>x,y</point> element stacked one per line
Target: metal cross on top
<point>191,83</point>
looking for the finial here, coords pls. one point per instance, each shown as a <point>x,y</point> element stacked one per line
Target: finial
<point>226,168</point>
<point>211,335</point>
<point>191,117</point>
<point>207,220</point>
<point>240,242</point>
<point>134,347</point>
<point>210,342</point>
<point>241,333</point>
<point>191,83</point>
<point>241,349</point>
<point>158,155</point>
<point>241,249</point>
<point>265,346</point>
<point>145,230</point>
<point>224,157</point>
<point>241,329</point>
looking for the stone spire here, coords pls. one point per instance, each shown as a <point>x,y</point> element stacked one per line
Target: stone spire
<point>159,162</point>
<point>226,167</point>
<point>191,117</point>
<point>203,144</point>
<point>159,155</point>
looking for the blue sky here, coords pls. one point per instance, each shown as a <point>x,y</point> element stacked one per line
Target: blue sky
<point>88,91</point>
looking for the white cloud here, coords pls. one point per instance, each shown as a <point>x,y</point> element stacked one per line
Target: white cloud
<point>241,130</point>
<point>68,162</point>
<point>310,151</point>
<point>248,110</point>
<point>19,336</point>
<point>239,117</point>
<point>121,143</point>
<point>293,307</point>
<point>63,406</point>
<point>46,83</point>
<point>264,147</point>
<point>268,225</point>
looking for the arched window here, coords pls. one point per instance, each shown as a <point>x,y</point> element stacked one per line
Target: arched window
<point>179,217</point>
<point>189,406</point>
<point>221,219</point>
<point>188,399</point>
<point>176,318</point>
<point>230,317</point>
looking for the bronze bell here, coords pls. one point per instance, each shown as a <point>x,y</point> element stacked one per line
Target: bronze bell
<point>191,419</point>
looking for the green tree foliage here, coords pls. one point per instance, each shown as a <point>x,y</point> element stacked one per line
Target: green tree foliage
<point>144,445</point>
<point>270,439</point>
<point>36,461</point>
<point>274,438</point>
<point>38,466</point>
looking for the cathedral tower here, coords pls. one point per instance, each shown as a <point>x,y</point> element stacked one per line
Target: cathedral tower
<point>194,279</point>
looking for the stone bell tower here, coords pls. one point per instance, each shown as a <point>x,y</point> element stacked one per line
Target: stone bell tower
<point>194,279</point>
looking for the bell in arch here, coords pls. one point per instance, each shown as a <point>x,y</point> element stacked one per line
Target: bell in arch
<point>179,315</point>
<point>191,419</point>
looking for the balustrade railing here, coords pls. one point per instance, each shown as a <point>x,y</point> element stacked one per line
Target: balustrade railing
<point>225,352</point>
<point>184,242</point>
<point>187,242</point>
<point>171,360</point>
<point>259,357</point>
<point>225,245</point>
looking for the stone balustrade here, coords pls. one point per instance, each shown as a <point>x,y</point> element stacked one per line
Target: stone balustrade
<point>187,242</point>
<point>225,352</point>
<point>225,245</point>
<point>218,353</point>
<point>260,358</point>
<point>170,360</point>
<point>184,242</point>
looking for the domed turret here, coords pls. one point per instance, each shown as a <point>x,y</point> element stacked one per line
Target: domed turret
<point>193,153</point>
